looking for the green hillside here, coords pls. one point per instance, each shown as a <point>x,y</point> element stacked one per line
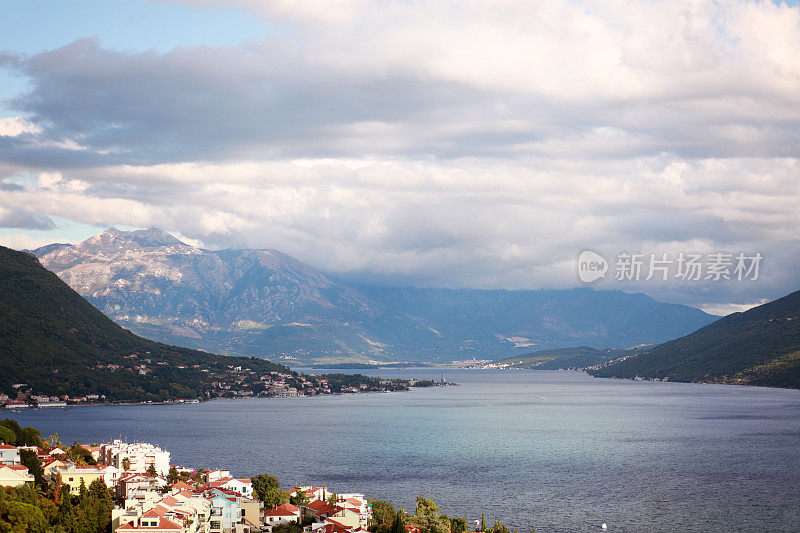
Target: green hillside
<point>564,358</point>
<point>758,347</point>
<point>55,342</point>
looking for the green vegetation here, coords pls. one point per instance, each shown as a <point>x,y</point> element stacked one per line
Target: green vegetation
<point>49,507</point>
<point>563,358</point>
<point>758,347</point>
<point>268,489</point>
<point>56,343</point>
<point>340,382</point>
<point>27,509</point>
<point>299,499</point>
<point>13,434</point>
<point>426,518</point>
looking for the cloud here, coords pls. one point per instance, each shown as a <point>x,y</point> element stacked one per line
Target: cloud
<point>14,126</point>
<point>607,80</point>
<point>438,143</point>
<point>19,218</point>
<point>20,241</point>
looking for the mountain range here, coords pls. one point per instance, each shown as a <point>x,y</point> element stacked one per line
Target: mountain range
<point>265,303</point>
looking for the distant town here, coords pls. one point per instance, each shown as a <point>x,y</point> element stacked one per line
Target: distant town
<point>233,382</point>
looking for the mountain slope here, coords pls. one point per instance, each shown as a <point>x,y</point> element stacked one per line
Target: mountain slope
<point>564,358</point>
<point>759,347</point>
<point>525,319</point>
<point>57,343</point>
<point>267,304</point>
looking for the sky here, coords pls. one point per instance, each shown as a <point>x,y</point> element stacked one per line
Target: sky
<point>436,143</point>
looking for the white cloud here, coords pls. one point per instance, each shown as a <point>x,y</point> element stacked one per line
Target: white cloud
<point>49,179</point>
<point>14,126</point>
<point>21,241</point>
<point>726,309</point>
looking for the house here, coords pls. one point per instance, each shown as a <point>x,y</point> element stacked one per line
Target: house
<point>9,454</point>
<point>225,513</point>
<point>311,492</point>
<point>152,523</point>
<point>131,486</point>
<point>51,466</point>
<point>111,475</point>
<point>319,510</point>
<point>14,475</point>
<point>280,514</point>
<point>242,487</point>
<point>357,503</point>
<point>73,475</point>
<point>96,451</point>
<point>183,509</point>
<point>180,486</point>
<point>251,511</point>
<point>216,475</point>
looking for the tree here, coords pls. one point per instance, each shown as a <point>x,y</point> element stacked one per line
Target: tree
<point>262,483</point>
<point>498,528</point>
<point>18,517</point>
<point>289,527</point>
<point>29,459</point>
<point>299,499</point>
<point>97,504</point>
<point>80,455</point>
<point>383,517</point>
<point>11,424</point>
<point>7,436</point>
<point>66,515</point>
<point>458,525</point>
<point>29,437</point>
<point>427,518</point>
<point>275,497</point>
<point>151,471</point>
<point>173,476</point>
<point>398,526</point>
<point>126,464</point>
<point>483,521</point>
<point>52,442</point>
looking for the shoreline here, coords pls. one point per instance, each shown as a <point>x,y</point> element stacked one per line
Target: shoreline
<point>29,408</point>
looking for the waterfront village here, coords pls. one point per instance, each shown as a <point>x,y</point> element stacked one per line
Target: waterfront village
<point>233,382</point>
<point>123,487</point>
<point>154,496</point>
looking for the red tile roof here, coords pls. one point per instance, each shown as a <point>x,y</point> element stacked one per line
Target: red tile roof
<point>318,507</point>
<point>163,523</point>
<point>287,509</point>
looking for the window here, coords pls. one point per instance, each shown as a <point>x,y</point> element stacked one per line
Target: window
<point>214,524</point>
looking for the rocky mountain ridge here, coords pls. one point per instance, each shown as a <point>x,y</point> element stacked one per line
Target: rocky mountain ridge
<point>266,303</point>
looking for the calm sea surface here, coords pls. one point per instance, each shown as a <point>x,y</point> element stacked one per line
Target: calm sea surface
<point>554,451</point>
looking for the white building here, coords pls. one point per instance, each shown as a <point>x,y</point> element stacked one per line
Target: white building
<point>140,455</point>
<point>9,454</point>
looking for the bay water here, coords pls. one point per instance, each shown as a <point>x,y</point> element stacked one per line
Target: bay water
<point>550,451</point>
